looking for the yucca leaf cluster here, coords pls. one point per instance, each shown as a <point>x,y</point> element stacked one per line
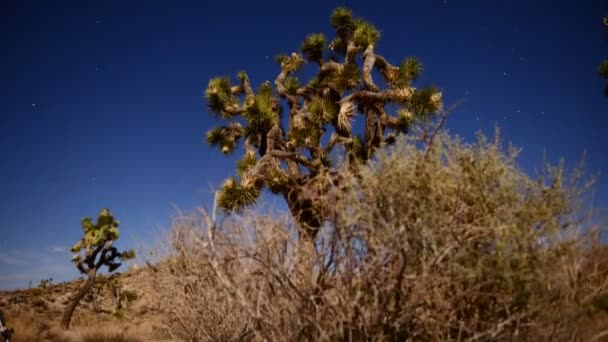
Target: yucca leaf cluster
<point>95,249</point>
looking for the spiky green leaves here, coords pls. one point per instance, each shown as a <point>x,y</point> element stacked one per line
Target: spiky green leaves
<point>409,70</point>
<point>291,63</point>
<point>248,162</point>
<point>233,197</point>
<point>425,102</point>
<point>225,137</point>
<point>357,148</point>
<point>358,30</point>
<point>98,237</point>
<point>322,109</point>
<point>242,76</point>
<point>404,120</point>
<point>342,19</point>
<point>291,85</point>
<point>106,229</point>
<point>219,98</point>
<point>346,78</point>
<point>262,114</point>
<point>365,34</point>
<point>312,47</point>
<point>276,181</point>
<point>304,135</point>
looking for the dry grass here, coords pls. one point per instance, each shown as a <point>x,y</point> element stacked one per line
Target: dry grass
<point>93,320</point>
<point>30,327</point>
<point>453,243</point>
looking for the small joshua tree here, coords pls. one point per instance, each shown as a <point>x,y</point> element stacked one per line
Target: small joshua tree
<point>290,155</point>
<point>92,252</point>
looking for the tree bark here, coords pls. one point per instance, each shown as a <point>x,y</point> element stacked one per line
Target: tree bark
<point>304,212</point>
<point>69,310</point>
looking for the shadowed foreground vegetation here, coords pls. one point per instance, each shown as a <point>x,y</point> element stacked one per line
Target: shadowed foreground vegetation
<point>439,241</point>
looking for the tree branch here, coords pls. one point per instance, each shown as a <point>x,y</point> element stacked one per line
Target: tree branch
<point>369,60</point>
<point>297,157</point>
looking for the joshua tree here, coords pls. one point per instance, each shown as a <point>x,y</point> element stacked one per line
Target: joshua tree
<point>290,155</point>
<point>97,251</point>
<point>603,68</point>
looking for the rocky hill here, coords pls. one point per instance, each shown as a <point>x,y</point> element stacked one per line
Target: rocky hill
<point>118,308</point>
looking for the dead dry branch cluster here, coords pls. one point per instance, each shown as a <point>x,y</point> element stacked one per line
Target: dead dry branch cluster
<point>452,244</point>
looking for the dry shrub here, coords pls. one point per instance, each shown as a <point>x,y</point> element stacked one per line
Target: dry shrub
<point>452,242</point>
<point>33,327</point>
<point>197,306</point>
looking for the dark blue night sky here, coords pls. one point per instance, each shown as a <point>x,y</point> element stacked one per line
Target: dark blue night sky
<point>101,101</point>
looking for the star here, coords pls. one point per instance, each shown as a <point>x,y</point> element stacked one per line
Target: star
<point>33,105</point>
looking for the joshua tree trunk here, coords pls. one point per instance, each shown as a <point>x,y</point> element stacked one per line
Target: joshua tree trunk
<point>309,220</point>
<point>303,210</point>
<point>69,310</point>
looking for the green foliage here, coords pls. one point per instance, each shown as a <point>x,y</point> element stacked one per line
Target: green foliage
<point>409,70</point>
<point>346,79</point>
<point>292,84</point>
<point>405,120</point>
<point>323,110</point>
<point>219,97</point>
<point>225,137</point>
<point>365,34</point>
<point>248,161</point>
<point>94,250</point>
<point>262,114</point>
<point>424,102</point>
<point>342,19</point>
<point>312,47</point>
<point>233,196</point>
<point>280,158</point>
<point>358,148</point>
